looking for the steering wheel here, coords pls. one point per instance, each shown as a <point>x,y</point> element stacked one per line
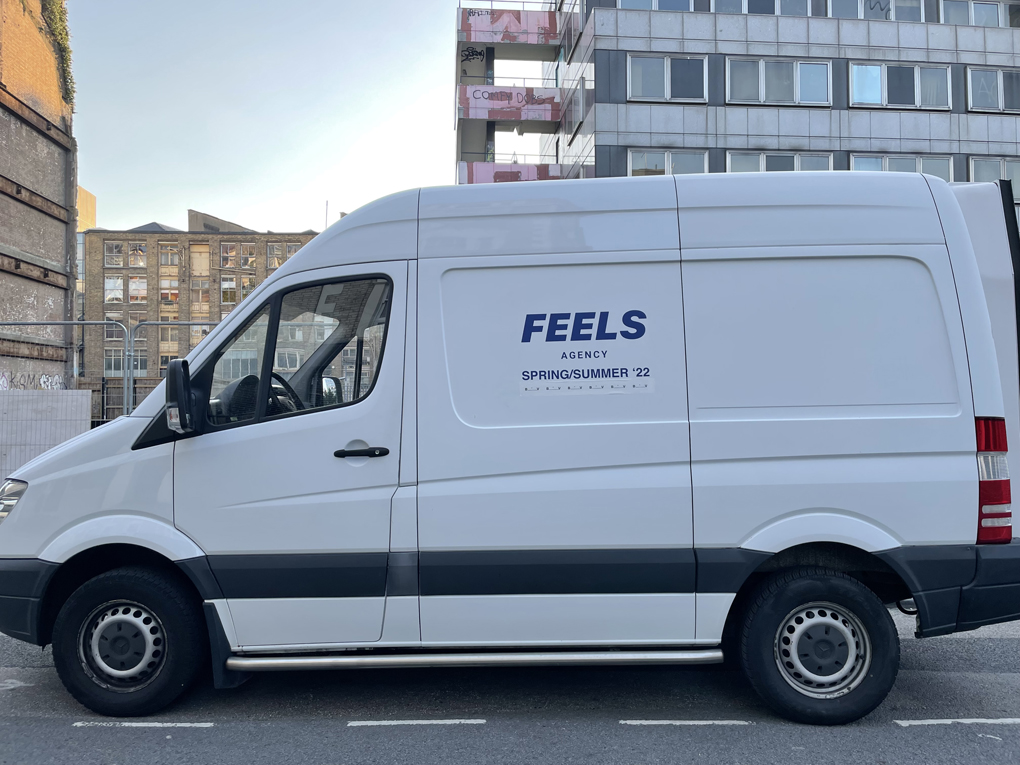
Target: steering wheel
<point>291,394</point>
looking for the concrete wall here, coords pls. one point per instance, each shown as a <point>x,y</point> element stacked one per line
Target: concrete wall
<point>32,422</point>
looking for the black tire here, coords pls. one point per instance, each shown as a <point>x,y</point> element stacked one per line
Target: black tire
<point>820,616</point>
<point>153,628</point>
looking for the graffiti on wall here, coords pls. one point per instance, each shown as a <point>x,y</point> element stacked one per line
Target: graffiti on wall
<point>489,102</point>
<point>30,381</point>
<point>472,54</point>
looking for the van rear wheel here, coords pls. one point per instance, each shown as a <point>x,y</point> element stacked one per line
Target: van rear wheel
<point>819,647</point>
<point>129,642</point>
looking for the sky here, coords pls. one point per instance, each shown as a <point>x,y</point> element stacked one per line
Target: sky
<point>259,112</point>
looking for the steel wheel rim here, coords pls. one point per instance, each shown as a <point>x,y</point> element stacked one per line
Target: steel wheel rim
<point>122,646</point>
<point>822,650</point>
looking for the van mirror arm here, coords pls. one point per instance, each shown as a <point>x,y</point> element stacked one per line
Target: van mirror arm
<point>179,400</point>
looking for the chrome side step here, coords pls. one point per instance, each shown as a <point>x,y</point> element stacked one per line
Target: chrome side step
<point>516,658</point>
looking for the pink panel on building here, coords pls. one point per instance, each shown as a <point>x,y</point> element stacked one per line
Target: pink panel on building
<point>494,26</point>
<point>490,172</point>
<point>491,102</point>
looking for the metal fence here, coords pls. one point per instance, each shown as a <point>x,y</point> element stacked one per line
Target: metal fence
<point>34,421</point>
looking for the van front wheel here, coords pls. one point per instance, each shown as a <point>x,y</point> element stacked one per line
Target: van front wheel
<point>129,642</point>
<point>819,647</point>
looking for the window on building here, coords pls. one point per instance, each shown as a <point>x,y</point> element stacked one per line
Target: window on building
<point>989,169</point>
<point>136,254</point>
<point>247,256</point>
<point>169,254</point>
<point>228,255</point>
<point>247,285</point>
<point>141,365</point>
<point>921,87</point>
<point>168,290</point>
<point>274,255</point>
<point>199,259</point>
<point>111,332</point>
<point>645,162</point>
<point>780,82</point>
<point>113,254</point>
<point>292,249</point>
<point>994,90</point>
<point>777,161</point>
<point>113,289</point>
<point>228,289</point>
<point>941,167</point>
<point>199,292</point>
<point>198,332</point>
<point>978,14</point>
<point>900,10</point>
<point>672,78</point>
<point>164,362</point>
<point>168,334</point>
<point>113,362</point>
<point>287,362</point>
<point>134,319</point>
<point>137,289</point>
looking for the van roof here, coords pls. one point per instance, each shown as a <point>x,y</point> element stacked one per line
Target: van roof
<point>632,214</point>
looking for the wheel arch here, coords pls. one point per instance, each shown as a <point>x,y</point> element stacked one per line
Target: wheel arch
<point>866,567</point>
<point>93,561</point>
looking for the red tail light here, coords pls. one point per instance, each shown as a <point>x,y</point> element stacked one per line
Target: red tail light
<point>995,515</point>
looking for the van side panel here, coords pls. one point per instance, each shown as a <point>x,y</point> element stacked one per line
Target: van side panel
<point>554,483</point>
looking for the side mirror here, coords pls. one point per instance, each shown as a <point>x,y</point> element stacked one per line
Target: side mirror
<point>179,415</point>
<point>332,391</point>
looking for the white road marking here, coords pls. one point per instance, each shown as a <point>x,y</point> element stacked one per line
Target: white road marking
<point>988,735</point>
<point>112,724</point>
<point>8,685</point>
<point>684,722</point>
<point>369,723</point>
<point>961,721</point>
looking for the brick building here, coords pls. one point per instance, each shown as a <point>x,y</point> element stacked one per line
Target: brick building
<point>157,273</point>
<point>38,184</point>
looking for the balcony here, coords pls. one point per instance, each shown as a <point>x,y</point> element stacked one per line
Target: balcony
<point>506,23</point>
<point>498,168</point>
<point>537,109</point>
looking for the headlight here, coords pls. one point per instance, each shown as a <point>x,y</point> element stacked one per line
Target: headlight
<point>10,493</point>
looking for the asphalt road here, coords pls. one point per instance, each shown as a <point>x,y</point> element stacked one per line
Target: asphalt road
<point>575,715</point>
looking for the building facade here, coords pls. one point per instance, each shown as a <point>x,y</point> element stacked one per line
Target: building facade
<point>155,273</point>
<point>38,183</point>
<point>651,87</point>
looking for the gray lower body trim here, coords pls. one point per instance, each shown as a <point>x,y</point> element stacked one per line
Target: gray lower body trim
<point>523,658</point>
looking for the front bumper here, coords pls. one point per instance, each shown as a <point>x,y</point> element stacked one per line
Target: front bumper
<point>22,584</point>
<point>960,587</point>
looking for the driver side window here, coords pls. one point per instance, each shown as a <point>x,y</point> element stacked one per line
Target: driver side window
<point>235,383</point>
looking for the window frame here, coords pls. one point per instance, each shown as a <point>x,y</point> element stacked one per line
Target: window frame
<point>667,76</point>
<point>796,81</point>
<point>916,66</point>
<point>918,161</point>
<point>669,161</point>
<point>1002,160</point>
<point>762,154</point>
<point>202,377</point>
<point>138,280</point>
<point>1002,12</point>
<point>107,255</point>
<point>107,289</point>
<point>999,83</point>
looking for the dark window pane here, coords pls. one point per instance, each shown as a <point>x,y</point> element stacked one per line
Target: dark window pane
<point>761,6</point>
<point>744,81</point>
<point>687,78</point>
<point>1011,90</point>
<point>901,84</point>
<point>877,9</point>
<point>793,7</point>
<point>931,11</point>
<point>984,89</point>
<point>778,163</point>
<point>908,10</point>
<point>728,6</point>
<point>819,8</point>
<point>674,5</point>
<point>779,80</point>
<point>703,6</point>
<point>1014,15</point>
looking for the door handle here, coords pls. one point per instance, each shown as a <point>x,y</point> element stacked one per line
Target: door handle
<point>372,451</point>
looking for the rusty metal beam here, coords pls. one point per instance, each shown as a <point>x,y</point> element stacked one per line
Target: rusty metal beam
<point>26,196</point>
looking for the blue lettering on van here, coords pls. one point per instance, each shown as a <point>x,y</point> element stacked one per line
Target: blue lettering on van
<point>581,326</point>
<point>610,373</point>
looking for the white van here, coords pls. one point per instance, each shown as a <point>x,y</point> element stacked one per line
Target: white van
<point>643,420</point>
